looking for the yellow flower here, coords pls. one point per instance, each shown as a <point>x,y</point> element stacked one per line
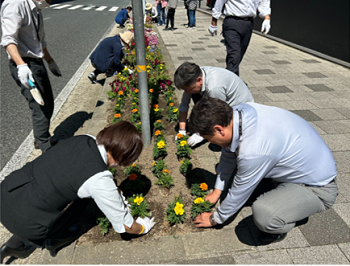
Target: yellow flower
<point>125,68</point>
<point>119,99</point>
<point>133,165</point>
<point>154,163</point>
<point>159,121</point>
<point>139,123</point>
<point>119,73</point>
<point>161,144</point>
<point>133,103</point>
<point>181,162</point>
<point>117,105</point>
<point>156,109</point>
<point>198,200</point>
<point>138,200</point>
<point>147,71</point>
<point>183,143</point>
<point>161,68</point>
<point>203,186</point>
<point>175,110</point>
<point>179,210</point>
<point>148,67</point>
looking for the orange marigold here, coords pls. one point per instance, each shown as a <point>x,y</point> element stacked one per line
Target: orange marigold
<point>136,91</point>
<point>166,171</point>
<point>204,187</point>
<point>155,106</point>
<point>179,135</point>
<point>151,90</point>
<point>158,132</point>
<point>171,104</point>
<point>132,177</point>
<point>120,92</point>
<point>134,110</point>
<point>117,115</point>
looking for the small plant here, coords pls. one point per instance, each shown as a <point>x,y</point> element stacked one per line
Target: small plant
<point>165,179</point>
<point>139,206</point>
<point>158,167</point>
<point>159,135</point>
<point>199,206</point>
<point>116,118</point>
<point>176,212</point>
<point>132,169</point>
<point>186,166</point>
<point>183,149</point>
<point>173,114</point>
<point>136,116</point>
<point>104,224</point>
<point>199,190</point>
<point>158,125</point>
<point>180,137</point>
<point>159,149</point>
<point>156,113</point>
<point>133,173</point>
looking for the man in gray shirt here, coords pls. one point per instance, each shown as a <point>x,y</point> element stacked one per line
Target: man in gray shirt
<point>214,82</point>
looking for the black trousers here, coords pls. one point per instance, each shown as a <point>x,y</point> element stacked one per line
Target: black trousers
<point>41,115</point>
<point>171,18</point>
<point>237,33</point>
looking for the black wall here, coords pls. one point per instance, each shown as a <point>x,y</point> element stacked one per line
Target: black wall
<point>320,25</point>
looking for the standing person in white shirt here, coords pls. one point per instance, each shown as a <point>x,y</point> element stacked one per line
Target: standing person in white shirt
<point>24,40</point>
<point>269,142</point>
<point>206,81</point>
<point>238,26</point>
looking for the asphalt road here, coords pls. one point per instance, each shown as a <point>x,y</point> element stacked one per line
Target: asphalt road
<point>71,34</point>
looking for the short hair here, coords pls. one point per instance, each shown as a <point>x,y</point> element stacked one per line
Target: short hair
<point>186,75</point>
<point>129,7</point>
<point>123,141</point>
<point>207,113</point>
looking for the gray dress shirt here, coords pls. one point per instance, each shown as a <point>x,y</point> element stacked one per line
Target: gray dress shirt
<point>276,144</point>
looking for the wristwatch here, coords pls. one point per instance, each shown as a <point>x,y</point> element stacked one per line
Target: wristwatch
<point>212,220</point>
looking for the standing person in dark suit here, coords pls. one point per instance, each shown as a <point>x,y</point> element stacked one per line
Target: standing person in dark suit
<point>172,4</point>
<point>39,201</point>
<point>238,26</point>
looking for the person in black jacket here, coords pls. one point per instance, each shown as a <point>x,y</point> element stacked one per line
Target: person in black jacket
<point>40,201</point>
<point>108,55</point>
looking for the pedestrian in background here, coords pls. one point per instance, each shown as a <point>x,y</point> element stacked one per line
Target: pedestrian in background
<point>108,55</point>
<point>151,11</point>
<point>122,16</point>
<point>215,82</point>
<point>238,26</point>
<point>40,202</point>
<point>171,6</point>
<point>161,12</point>
<point>265,142</point>
<point>23,37</point>
<point>192,6</point>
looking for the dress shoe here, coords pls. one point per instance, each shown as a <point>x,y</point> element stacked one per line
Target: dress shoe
<point>267,238</point>
<point>5,251</point>
<point>53,245</point>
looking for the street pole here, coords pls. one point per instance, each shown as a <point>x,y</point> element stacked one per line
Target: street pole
<point>137,14</point>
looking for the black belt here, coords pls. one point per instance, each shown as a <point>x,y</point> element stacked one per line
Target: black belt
<point>241,18</point>
<point>28,59</point>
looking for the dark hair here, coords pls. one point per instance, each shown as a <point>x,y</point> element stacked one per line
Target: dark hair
<point>207,113</point>
<point>122,141</point>
<point>129,7</point>
<point>186,75</point>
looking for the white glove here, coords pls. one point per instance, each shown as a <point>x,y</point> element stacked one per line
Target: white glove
<point>130,71</point>
<point>194,139</point>
<point>54,69</point>
<point>213,30</point>
<point>265,27</point>
<point>183,132</point>
<point>147,224</point>
<point>24,73</point>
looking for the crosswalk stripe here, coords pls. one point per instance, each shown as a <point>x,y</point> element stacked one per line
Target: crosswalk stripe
<point>54,5</point>
<point>101,8</point>
<point>75,7</point>
<point>115,8</point>
<point>60,7</point>
<point>88,8</point>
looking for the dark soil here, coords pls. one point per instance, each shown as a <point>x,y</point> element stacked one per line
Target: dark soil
<point>157,197</point>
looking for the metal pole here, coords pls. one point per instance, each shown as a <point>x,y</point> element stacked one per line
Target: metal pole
<point>137,14</point>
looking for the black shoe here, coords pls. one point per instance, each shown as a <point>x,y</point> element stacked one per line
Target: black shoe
<point>5,251</point>
<point>267,238</point>
<point>53,245</point>
<point>52,141</point>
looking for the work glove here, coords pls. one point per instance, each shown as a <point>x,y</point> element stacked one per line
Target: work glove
<point>265,27</point>
<point>147,224</point>
<point>24,73</point>
<point>194,139</point>
<point>213,30</point>
<point>183,132</point>
<point>54,69</point>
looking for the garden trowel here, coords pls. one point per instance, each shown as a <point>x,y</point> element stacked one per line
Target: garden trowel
<point>36,93</point>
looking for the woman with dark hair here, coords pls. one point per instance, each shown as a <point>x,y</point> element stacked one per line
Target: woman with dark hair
<point>40,200</point>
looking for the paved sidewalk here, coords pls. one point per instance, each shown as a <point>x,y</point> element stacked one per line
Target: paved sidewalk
<point>277,75</point>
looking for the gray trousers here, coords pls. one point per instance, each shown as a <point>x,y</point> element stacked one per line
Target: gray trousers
<point>41,115</point>
<point>276,211</point>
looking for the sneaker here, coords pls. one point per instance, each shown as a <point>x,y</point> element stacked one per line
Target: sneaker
<point>92,78</point>
<point>189,28</point>
<point>186,25</point>
<point>193,27</point>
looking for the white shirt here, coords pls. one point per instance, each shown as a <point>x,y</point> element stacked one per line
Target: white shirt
<point>103,190</point>
<point>242,8</point>
<point>276,144</point>
<point>222,84</point>
<point>19,24</point>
